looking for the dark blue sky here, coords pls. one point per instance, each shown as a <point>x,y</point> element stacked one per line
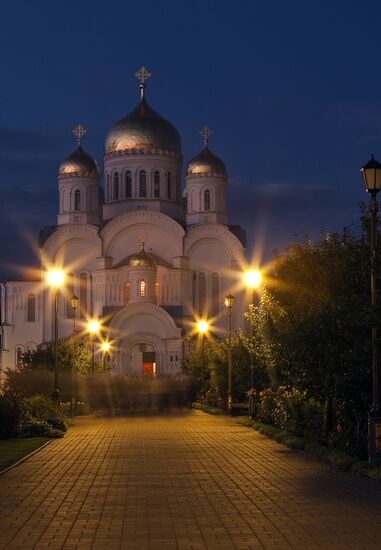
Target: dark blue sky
<point>292,90</point>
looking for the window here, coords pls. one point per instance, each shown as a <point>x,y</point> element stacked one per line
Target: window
<point>215,295</point>
<point>31,308</point>
<point>156,184</point>
<point>207,200</point>
<point>142,183</point>
<point>83,294</point>
<point>169,185</point>
<point>69,293</point>
<point>126,293</point>
<point>202,294</point>
<point>77,200</point>
<point>157,293</point>
<point>116,186</point>
<point>142,288</point>
<point>19,354</point>
<point>128,183</point>
<point>108,196</point>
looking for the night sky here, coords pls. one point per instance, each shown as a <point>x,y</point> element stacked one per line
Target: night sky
<point>292,90</point>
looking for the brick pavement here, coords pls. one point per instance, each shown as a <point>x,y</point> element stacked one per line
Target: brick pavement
<point>189,482</point>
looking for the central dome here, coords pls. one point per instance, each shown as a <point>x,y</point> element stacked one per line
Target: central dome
<point>143,128</point>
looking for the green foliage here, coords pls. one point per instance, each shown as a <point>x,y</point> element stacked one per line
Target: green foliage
<point>216,367</point>
<point>39,410</point>
<point>312,332</point>
<point>44,356</point>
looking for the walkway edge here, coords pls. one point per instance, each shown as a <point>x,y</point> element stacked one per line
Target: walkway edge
<point>24,458</point>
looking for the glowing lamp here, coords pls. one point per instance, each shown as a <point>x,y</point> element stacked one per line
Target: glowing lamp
<point>55,277</point>
<point>371,174</point>
<point>229,301</point>
<point>74,300</point>
<point>93,326</point>
<point>202,326</point>
<point>253,278</point>
<point>105,347</point>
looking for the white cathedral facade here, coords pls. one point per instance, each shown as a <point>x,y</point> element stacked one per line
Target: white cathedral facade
<point>146,256</point>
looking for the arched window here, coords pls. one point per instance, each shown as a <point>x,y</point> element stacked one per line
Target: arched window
<point>128,183</point>
<point>142,289</point>
<point>207,199</point>
<point>142,183</point>
<point>157,293</point>
<point>68,294</point>
<point>83,294</point>
<point>116,186</point>
<point>108,195</point>
<point>19,354</point>
<point>126,293</point>
<point>31,308</point>
<point>156,184</point>
<point>215,295</point>
<point>77,200</point>
<point>169,185</point>
<point>202,295</point>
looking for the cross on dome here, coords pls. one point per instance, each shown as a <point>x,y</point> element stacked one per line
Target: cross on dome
<point>205,133</point>
<point>79,131</point>
<point>142,74</point>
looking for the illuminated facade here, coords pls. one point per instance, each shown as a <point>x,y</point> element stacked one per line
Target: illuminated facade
<point>146,254</point>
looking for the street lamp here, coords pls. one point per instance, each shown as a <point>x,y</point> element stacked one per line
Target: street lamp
<point>105,347</point>
<point>371,173</point>
<point>202,327</point>
<point>229,302</point>
<point>93,328</point>
<point>253,279</point>
<point>74,300</point>
<point>55,278</point>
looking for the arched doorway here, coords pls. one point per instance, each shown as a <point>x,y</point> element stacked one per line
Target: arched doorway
<point>142,359</point>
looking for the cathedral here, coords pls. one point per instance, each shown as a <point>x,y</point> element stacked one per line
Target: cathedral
<point>146,254</point>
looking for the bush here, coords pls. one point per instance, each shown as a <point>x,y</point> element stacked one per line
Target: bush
<point>9,415</point>
<point>39,428</point>
<point>39,410</point>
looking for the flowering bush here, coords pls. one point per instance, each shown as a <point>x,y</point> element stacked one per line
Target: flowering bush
<point>289,409</point>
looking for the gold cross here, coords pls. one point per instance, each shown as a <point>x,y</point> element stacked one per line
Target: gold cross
<point>142,74</point>
<point>79,131</point>
<point>206,132</point>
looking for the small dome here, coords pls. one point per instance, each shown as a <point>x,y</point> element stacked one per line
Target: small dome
<point>206,164</point>
<point>79,163</point>
<point>143,128</point>
<point>142,259</point>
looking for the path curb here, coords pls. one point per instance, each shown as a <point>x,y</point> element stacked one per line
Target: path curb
<point>24,458</point>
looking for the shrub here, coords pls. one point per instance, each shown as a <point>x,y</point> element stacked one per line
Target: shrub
<point>39,409</point>
<point>40,428</point>
<point>9,415</point>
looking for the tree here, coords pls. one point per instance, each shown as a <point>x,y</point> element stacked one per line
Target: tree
<point>313,326</point>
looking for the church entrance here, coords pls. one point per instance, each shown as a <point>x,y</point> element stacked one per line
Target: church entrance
<point>149,365</point>
<point>142,360</point>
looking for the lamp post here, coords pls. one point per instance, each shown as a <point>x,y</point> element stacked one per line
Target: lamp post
<point>202,327</point>
<point>55,278</point>
<point>371,173</point>
<point>74,304</point>
<point>105,347</point>
<point>253,279</point>
<point>93,327</point>
<point>229,302</point>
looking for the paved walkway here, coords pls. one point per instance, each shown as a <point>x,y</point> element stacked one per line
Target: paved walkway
<point>190,482</point>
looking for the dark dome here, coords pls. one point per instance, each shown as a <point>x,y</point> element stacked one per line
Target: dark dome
<point>143,128</point>
<point>79,163</point>
<point>206,164</point>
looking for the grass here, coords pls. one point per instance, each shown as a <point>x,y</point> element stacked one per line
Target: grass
<point>207,408</point>
<point>12,450</point>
